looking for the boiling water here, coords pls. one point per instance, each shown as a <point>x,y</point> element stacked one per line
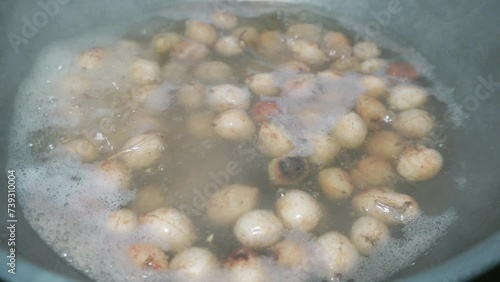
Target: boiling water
<point>68,203</point>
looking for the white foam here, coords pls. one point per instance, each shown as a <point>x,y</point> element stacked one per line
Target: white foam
<point>54,62</point>
<point>418,236</point>
<point>63,199</point>
<point>461,182</point>
<point>325,99</point>
<point>67,205</point>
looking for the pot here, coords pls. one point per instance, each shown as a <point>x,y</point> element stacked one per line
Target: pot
<point>460,38</point>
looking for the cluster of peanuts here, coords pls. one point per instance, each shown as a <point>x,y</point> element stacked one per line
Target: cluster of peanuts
<point>387,124</point>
